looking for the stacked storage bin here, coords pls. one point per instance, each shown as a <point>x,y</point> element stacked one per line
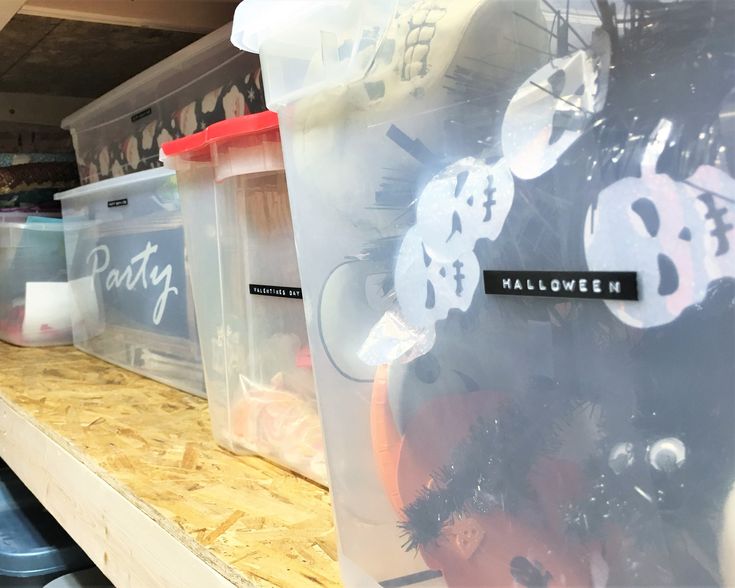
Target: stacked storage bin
<point>125,239</point>
<point>247,291</point>
<point>514,223</point>
<point>121,132</point>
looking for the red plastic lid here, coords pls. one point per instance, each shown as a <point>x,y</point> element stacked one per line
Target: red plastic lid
<point>242,126</point>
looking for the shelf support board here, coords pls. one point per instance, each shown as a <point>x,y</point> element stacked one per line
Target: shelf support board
<point>8,9</point>
<point>130,548</point>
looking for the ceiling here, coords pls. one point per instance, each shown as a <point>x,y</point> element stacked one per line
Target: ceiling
<point>56,56</point>
<point>78,59</point>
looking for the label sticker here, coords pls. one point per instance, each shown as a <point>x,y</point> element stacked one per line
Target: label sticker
<point>142,114</point>
<point>139,279</point>
<point>275,291</point>
<point>116,203</point>
<point>586,285</point>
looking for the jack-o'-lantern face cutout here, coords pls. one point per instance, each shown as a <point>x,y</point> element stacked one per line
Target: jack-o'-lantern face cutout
<point>554,106</point>
<point>429,287</point>
<point>486,541</point>
<point>678,236</point>
<point>468,201</point>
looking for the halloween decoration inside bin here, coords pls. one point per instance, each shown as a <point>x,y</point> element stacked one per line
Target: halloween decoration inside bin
<point>525,439</point>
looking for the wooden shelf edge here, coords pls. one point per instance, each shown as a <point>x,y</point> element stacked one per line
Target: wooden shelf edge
<point>131,548</point>
<point>200,16</point>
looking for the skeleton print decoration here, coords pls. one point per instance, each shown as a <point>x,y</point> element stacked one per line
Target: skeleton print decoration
<point>554,106</point>
<point>428,286</point>
<point>437,269</point>
<point>676,235</point>
<point>467,201</point>
<point>428,41</point>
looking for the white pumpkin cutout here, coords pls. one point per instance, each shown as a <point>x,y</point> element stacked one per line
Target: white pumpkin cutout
<point>678,236</point>
<point>553,107</point>
<point>467,201</point>
<point>428,288</point>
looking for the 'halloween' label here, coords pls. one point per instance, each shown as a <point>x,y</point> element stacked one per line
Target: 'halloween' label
<point>595,285</point>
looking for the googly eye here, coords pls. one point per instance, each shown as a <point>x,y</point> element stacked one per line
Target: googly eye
<point>621,457</point>
<point>667,455</point>
<point>427,368</point>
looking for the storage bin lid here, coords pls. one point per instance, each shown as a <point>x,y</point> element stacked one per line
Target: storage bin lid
<point>32,543</point>
<point>122,185</point>
<point>238,146</point>
<point>54,225</point>
<point>166,77</point>
<point>195,147</point>
<point>309,45</point>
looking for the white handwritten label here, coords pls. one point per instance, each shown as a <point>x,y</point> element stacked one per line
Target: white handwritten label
<point>136,273</point>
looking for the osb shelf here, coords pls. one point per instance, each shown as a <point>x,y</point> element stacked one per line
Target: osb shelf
<point>129,468</point>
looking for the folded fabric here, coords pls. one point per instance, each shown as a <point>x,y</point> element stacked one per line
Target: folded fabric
<point>10,159</point>
<point>34,176</point>
<point>41,200</point>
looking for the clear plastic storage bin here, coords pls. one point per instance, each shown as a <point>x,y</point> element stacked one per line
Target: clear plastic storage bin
<point>247,291</point>
<point>131,301</point>
<point>121,132</point>
<point>514,222</point>
<point>35,300</point>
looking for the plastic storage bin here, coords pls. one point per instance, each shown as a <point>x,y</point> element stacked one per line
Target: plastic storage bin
<point>91,578</point>
<point>206,82</point>
<point>131,301</point>
<point>487,424</point>
<point>247,291</point>
<point>35,301</point>
<point>34,549</point>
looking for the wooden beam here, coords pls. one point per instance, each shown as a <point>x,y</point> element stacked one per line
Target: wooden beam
<point>39,109</point>
<point>200,16</point>
<point>124,542</point>
<point>8,8</point>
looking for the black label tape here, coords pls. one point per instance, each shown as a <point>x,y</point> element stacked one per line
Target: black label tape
<point>586,285</point>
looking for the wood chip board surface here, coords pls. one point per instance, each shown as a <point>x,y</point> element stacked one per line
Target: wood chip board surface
<point>253,522</point>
